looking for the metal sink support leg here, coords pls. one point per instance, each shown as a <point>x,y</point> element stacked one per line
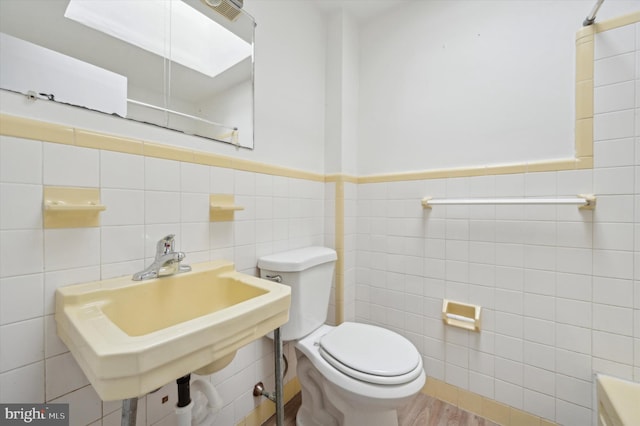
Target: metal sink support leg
<point>129,412</point>
<point>277,343</point>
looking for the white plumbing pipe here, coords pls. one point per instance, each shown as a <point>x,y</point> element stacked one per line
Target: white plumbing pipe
<point>205,414</point>
<point>184,414</point>
<point>201,411</point>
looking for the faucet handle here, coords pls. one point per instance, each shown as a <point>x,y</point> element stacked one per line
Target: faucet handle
<point>165,245</point>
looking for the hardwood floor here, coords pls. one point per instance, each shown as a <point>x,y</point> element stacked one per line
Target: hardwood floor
<point>422,411</point>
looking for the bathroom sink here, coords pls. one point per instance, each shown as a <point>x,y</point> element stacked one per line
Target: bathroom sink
<point>131,337</point>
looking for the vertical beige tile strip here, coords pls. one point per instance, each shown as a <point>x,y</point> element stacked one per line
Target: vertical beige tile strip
<point>339,245</point>
<point>584,95</point>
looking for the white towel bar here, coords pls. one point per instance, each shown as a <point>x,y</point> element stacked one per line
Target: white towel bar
<point>585,201</point>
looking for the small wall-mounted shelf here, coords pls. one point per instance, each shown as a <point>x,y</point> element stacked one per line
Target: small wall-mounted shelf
<point>68,207</point>
<point>222,207</point>
<point>461,315</point>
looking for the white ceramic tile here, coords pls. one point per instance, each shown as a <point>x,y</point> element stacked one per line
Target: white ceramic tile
<point>573,390</point>
<point>194,207</point>
<point>538,232</point>
<point>66,165</point>
<point>568,413</point>
<point>161,207</point>
<point>245,183</point>
<point>63,375</point>
<point>508,301</point>
<point>540,282</point>
<point>55,279</point>
<point>614,42</point>
<point>613,347</point>
<point>122,171</point>
<point>124,207</point>
<point>71,248</point>
<point>574,260</point>
<point>540,404</point>
<point>615,208</point>
<point>509,278</point>
<point>614,97</point>
<point>613,153</point>
<point>457,376</point>
<point>540,184</point>
<point>122,243</point>
<point>614,125</point>
<point>613,291</point>
<point>539,380</point>
<point>614,180</point>
<point>573,182</point>
<point>573,312</point>
<point>539,355</point>
<point>21,298</point>
<point>574,286</point>
<point>22,343</point>
<point>509,255</point>
<point>573,364</point>
<point>614,264</point>
<point>613,236</point>
<point>575,234</point>
<point>194,178</point>
<point>194,237</point>
<point>577,339</point>
<point>509,371</point>
<point>508,325</point>
<point>20,160</point>
<point>613,70</point>
<point>52,344</point>
<point>539,306</point>
<point>161,174</point>
<point>613,319</point>
<point>481,384</point>
<point>23,384</point>
<point>540,257</point>
<point>616,369</point>
<point>509,347</point>
<point>20,206</point>
<point>85,406</point>
<point>21,252</point>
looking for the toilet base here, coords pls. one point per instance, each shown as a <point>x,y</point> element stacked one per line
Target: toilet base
<point>324,404</point>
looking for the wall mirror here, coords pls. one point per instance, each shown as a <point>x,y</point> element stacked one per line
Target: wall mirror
<point>186,65</point>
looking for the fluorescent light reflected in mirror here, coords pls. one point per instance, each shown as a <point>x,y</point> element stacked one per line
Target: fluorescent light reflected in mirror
<point>196,41</point>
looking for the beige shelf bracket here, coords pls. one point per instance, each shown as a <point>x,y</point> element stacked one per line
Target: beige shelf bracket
<point>69,207</point>
<point>222,207</point>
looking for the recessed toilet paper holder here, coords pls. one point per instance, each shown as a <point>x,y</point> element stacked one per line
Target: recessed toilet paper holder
<point>461,315</point>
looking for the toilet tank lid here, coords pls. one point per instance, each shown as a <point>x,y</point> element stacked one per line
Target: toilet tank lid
<point>297,260</point>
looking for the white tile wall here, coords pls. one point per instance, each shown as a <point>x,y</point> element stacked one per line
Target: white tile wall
<point>146,199</point>
<point>556,284</point>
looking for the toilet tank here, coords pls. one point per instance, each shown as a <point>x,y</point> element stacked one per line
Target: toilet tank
<point>309,273</point>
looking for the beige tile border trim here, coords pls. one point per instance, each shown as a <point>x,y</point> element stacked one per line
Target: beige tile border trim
<point>484,407</point>
<point>57,133</point>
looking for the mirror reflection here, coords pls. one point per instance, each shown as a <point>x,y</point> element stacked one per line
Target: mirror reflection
<point>186,65</point>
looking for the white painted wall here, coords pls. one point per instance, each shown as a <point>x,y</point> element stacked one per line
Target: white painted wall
<point>466,83</point>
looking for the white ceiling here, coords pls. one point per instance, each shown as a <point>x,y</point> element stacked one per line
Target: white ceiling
<point>361,10</point>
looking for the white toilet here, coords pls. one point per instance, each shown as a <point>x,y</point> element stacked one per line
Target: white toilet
<point>352,374</point>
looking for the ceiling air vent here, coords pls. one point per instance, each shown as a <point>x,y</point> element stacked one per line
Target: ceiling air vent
<point>230,9</point>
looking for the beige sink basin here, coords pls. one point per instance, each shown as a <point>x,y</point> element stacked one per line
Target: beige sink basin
<point>131,337</point>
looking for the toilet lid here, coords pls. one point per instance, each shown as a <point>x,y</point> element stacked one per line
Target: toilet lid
<point>371,353</point>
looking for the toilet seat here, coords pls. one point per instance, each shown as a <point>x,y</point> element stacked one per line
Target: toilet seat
<point>371,354</point>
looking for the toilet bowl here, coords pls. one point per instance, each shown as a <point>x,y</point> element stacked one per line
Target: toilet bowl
<point>351,374</point>
<point>345,383</point>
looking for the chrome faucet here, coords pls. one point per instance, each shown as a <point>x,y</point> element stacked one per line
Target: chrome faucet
<point>167,261</point>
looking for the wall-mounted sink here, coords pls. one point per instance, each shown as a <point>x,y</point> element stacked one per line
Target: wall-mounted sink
<point>131,337</point>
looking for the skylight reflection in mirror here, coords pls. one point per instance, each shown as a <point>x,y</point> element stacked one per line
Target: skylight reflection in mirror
<point>196,41</point>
